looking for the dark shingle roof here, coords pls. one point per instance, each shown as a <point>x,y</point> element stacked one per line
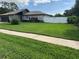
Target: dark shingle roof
<point>35,13</point>
<point>14,12</point>
<point>11,13</point>
<point>31,13</point>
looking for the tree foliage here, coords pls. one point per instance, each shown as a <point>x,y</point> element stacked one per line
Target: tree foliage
<point>76,8</point>
<point>6,7</point>
<point>59,15</point>
<point>73,11</point>
<point>3,10</point>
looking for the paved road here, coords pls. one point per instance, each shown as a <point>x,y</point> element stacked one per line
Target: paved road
<point>52,40</point>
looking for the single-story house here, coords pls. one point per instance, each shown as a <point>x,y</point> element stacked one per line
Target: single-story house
<point>13,15</point>
<point>35,15</point>
<point>43,17</point>
<point>26,15</point>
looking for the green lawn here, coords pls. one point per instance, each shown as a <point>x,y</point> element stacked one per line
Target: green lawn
<point>67,31</point>
<point>13,47</point>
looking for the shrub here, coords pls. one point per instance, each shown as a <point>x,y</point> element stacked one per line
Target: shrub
<point>14,22</point>
<point>77,21</point>
<point>72,19</point>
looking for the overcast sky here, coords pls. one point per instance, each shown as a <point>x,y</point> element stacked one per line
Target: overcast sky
<point>48,6</point>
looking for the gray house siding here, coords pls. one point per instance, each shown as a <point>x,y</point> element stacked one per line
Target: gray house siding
<point>13,15</point>
<point>16,17</point>
<point>30,17</point>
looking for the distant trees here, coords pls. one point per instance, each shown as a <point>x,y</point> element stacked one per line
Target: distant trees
<point>59,15</point>
<point>6,7</point>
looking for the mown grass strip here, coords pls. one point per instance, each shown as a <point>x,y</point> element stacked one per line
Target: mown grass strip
<point>14,47</point>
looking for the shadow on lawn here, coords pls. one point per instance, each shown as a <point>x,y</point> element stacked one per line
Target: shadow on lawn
<point>72,34</point>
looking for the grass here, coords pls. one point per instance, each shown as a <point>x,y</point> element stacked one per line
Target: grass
<point>67,31</point>
<point>14,47</point>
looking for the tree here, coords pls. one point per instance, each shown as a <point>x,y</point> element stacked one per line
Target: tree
<point>68,13</point>
<point>73,11</point>
<point>58,15</point>
<point>3,10</point>
<point>11,5</point>
<point>6,7</point>
<point>76,8</point>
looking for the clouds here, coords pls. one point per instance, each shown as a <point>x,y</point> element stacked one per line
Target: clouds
<point>41,1</point>
<point>36,2</point>
<point>16,1</point>
<point>48,6</point>
<point>44,1</point>
<point>56,0</point>
<point>27,1</point>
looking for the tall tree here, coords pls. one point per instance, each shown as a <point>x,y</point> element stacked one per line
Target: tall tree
<point>68,13</point>
<point>13,6</point>
<point>3,10</point>
<point>8,5</point>
<point>74,10</point>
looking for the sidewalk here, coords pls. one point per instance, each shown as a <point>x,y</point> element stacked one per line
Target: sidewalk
<point>52,40</point>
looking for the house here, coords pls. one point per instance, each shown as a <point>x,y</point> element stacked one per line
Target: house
<point>13,15</point>
<point>26,15</point>
<point>38,15</point>
<point>35,15</point>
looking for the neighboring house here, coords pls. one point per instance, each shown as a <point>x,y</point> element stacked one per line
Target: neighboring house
<point>13,15</point>
<point>26,15</point>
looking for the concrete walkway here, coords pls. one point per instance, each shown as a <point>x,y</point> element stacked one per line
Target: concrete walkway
<point>52,40</point>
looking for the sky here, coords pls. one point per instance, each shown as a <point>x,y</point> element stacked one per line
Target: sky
<point>48,6</point>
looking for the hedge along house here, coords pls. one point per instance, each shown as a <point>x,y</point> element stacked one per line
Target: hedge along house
<point>18,14</point>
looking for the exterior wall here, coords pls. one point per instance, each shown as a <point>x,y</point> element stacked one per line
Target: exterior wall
<point>4,19</point>
<point>49,19</point>
<point>25,17</point>
<point>14,17</point>
<point>0,19</point>
<point>29,17</point>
